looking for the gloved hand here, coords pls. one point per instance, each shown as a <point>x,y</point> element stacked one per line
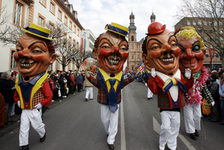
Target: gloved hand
<point>38,106</point>
<point>18,103</point>
<point>213,103</point>
<point>188,73</point>
<point>153,72</point>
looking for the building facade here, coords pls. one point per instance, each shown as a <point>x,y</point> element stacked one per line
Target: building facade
<point>89,40</point>
<point>47,13</point>
<point>202,25</point>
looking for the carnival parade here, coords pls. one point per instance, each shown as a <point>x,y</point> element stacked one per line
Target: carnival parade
<point>67,87</point>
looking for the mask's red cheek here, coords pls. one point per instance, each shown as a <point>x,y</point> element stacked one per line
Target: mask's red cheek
<point>41,58</point>
<point>103,52</point>
<point>154,53</point>
<point>124,55</point>
<point>16,56</point>
<point>200,55</point>
<point>177,51</point>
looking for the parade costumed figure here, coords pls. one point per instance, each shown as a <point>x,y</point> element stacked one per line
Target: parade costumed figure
<point>192,57</point>
<point>161,59</point>
<point>111,52</point>
<point>34,53</point>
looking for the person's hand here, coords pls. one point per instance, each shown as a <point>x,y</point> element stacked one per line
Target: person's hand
<point>153,72</point>
<point>38,106</point>
<point>213,103</point>
<point>188,73</point>
<point>18,103</point>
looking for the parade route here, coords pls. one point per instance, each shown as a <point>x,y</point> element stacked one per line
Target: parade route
<point>75,125</point>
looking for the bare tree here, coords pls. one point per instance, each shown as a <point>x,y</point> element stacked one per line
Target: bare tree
<point>68,51</point>
<point>208,19</point>
<point>8,33</point>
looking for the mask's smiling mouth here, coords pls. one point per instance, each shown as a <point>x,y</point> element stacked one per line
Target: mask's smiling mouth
<point>168,59</point>
<point>25,63</point>
<point>113,59</point>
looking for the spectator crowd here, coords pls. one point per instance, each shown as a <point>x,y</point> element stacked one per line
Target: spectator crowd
<point>65,83</point>
<point>62,85</point>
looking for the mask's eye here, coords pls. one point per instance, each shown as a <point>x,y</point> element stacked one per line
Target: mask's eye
<point>37,50</point>
<point>124,48</point>
<point>105,46</point>
<point>18,49</point>
<point>155,47</point>
<point>196,48</point>
<point>173,44</point>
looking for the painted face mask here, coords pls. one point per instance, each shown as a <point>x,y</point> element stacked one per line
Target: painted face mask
<point>112,52</point>
<point>32,56</point>
<point>161,50</point>
<point>192,49</point>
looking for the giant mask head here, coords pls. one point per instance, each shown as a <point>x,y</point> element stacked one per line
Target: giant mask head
<point>160,50</point>
<point>111,48</point>
<point>192,49</point>
<point>34,52</point>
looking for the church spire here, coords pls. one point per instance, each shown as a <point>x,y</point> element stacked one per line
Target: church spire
<point>153,17</point>
<point>132,27</point>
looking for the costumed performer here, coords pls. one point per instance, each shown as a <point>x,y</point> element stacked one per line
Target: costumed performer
<point>161,59</point>
<point>34,53</point>
<point>111,52</point>
<point>192,57</point>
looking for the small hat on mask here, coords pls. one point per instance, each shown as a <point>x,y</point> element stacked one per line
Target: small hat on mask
<point>117,28</point>
<point>155,28</point>
<point>38,31</point>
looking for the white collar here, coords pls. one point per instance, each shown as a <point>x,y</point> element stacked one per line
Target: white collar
<point>165,77</point>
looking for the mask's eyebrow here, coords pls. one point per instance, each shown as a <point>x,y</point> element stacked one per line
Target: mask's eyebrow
<point>181,46</point>
<point>122,41</point>
<point>171,37</point>
<point>107,40</point>
<point>17,42</point>
<point>35,43</point>
<point>196,42</point>
<point>155,40</point>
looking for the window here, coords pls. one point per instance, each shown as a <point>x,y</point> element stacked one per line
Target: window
<point>78,32</point>
<point>52,7</point>
<point>66,20</point>
<point>12,60</point>
<point>41,20</point>
<point>51,27</point>
<point>43,2</point>
<point>132,38</point>
<point>70,24</point>
<point>18,14</point>
<point>132,57</point>
<point>59,14</point>
<point>199,22</point>
<point>205,23</point>
<point>188,22</point>
<point>75,28</point>
<point>194,23</point>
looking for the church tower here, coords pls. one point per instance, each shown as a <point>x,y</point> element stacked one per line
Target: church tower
<point>134,57</point>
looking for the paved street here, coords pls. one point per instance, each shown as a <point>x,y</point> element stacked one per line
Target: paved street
<point>75,125</point>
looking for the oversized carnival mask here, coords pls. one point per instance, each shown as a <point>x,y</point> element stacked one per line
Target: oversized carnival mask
<point>192,49</point>
<point>112,52</point>
<point>32,56</point>
<point>160,50</point>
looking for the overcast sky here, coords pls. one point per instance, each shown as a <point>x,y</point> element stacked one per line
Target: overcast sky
<point>95,14</point>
